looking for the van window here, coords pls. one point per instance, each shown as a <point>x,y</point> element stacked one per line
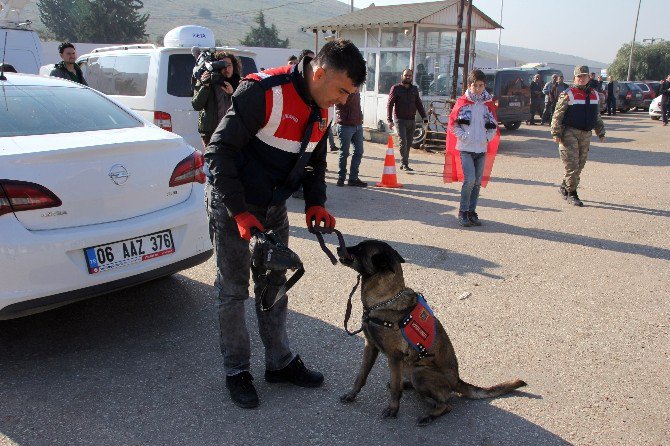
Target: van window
<point>118,75</point>
<point>180,70</point>
<point>513,83</point>
<point>490,82</point>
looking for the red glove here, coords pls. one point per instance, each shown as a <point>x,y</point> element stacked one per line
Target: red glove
<point>246,221</point>
<point>317,214</point>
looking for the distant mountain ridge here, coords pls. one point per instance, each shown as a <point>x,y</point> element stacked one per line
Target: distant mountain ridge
<point>231,20</point>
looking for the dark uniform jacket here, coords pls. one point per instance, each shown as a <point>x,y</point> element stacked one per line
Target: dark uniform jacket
<point>664,89</point>
<point>406,101</point>
<point>60,71</point>
<point>579,108</point>
<point>247,170</point>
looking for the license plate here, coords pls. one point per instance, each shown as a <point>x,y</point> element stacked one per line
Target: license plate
<point>127,252</point>
<point>515,104</point>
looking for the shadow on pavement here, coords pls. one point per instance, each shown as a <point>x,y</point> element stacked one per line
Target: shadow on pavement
<point>142,367</point>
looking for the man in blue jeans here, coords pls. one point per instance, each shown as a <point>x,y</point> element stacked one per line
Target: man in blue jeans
<point>350,122</point>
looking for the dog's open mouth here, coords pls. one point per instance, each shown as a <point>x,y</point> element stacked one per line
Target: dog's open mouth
<point>344,257</point>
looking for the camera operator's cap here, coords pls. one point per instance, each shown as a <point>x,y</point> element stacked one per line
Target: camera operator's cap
<point>581,70</point>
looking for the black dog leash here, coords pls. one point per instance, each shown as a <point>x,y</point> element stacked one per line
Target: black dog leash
<point>319,231</point>
<point>347,313</point>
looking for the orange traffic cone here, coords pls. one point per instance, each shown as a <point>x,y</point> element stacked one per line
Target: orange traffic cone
<point>389,178</point>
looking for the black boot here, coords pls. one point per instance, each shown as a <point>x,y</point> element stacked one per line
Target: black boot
<point>563,191</point>
<point>474,218</point>
<point>295,373</point>
<point>574,200</point>
<point>242,391</point>
<point>463,219</point>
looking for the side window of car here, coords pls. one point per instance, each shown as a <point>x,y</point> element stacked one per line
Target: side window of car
<point>100,75</point>
<point>118,75</point>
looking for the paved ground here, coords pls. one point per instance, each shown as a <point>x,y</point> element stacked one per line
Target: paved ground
<point>574,301</point>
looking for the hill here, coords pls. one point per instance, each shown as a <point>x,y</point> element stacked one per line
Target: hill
<point>231,20</point>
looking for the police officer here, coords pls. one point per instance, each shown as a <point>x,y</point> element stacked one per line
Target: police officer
<point>577,113</point>
<point>272,141</point>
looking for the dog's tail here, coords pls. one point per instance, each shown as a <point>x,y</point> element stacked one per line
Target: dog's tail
<point>474,392</point>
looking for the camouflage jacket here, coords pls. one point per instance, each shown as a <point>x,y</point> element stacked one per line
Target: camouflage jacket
<point>557,126</point>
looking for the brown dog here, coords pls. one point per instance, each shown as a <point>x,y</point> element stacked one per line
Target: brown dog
<point>386,299</point>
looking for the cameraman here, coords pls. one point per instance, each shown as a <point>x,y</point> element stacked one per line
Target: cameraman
<point>213,93</point>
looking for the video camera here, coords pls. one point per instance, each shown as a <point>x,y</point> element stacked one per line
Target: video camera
<point>205,62</point>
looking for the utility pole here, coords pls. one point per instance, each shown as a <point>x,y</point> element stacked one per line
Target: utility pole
<point>466,57</point>
<point>499,35</point>
<point>352,6</point>
<point>632,44</point>
<point>457,55</point>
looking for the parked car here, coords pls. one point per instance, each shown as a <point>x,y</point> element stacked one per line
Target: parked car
<point>628,95</point>
<point>648,94</point>
<point>511,92</point>
<point>93,198</point>
<point>655,108</point>
<point>156,81</point>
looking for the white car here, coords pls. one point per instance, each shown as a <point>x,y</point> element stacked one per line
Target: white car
<point>655,108</point>
<point>93,198</point>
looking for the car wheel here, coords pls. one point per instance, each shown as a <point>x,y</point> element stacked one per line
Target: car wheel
<point>512,125</point>
<point>624,110</point>
<point>655,118</point>
<point>419,136</point>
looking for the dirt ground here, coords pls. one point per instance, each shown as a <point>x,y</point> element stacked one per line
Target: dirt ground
<point>575,301</point>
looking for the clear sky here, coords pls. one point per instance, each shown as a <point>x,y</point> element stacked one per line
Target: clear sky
<point>593,29</point>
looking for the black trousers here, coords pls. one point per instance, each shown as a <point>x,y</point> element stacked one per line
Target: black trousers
<point>665,110</point>
<point>611,105</point>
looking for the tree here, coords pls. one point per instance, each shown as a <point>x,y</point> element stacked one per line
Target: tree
<point>650,61</point>
<point>99,21</point>
<point>60,17</point>
<point>263,35</point>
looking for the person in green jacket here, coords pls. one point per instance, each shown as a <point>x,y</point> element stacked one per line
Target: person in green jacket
<point>213,92</point>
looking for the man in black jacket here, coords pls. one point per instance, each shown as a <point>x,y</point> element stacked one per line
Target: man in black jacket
<point>68,69</point>
<point>611,97</point>
<point>272,141</point>
<point>536,99</point>
<point>664,89</point>
<point>404,98</point>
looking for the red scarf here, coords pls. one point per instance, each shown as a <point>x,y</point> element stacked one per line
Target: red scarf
<point>453,170</point>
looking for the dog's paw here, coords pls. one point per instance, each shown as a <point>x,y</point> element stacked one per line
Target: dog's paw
<point>390,412</point>
<point>425,420</point>
<point>348,397</point>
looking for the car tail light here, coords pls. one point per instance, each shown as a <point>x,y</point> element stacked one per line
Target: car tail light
<point>629,95</point>
<point>189,170</point>
<point>17,196</point>
<point>495,103</point>
<point>163,120</point>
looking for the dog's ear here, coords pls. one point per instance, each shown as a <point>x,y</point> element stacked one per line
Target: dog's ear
<point>386,260</point>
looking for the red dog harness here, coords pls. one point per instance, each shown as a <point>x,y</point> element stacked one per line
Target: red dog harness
<point>418,327</point>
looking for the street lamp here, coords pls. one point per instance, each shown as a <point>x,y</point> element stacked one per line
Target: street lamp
<point>499,35</point>
<point>632,44</point>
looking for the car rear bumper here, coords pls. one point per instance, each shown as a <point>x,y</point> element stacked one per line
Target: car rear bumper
<point>27,307</point>
<point>40,264</point>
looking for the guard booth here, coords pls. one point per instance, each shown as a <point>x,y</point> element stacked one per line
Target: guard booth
<point>421,36</point>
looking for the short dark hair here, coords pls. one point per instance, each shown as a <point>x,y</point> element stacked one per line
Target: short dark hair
<point>303,53</point>
<point>476,75</point>
<point>64,45</point>
<point>343,55</point>
<point>291,57</point>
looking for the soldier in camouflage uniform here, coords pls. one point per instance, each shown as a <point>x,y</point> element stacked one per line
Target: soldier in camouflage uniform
<point>577,114</point>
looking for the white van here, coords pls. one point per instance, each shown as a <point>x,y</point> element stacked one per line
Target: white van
<point>156,81</point>
<point>23,49</point>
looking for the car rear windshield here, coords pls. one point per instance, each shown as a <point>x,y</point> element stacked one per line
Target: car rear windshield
<point>180,71</point>
<point>42,110</point>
